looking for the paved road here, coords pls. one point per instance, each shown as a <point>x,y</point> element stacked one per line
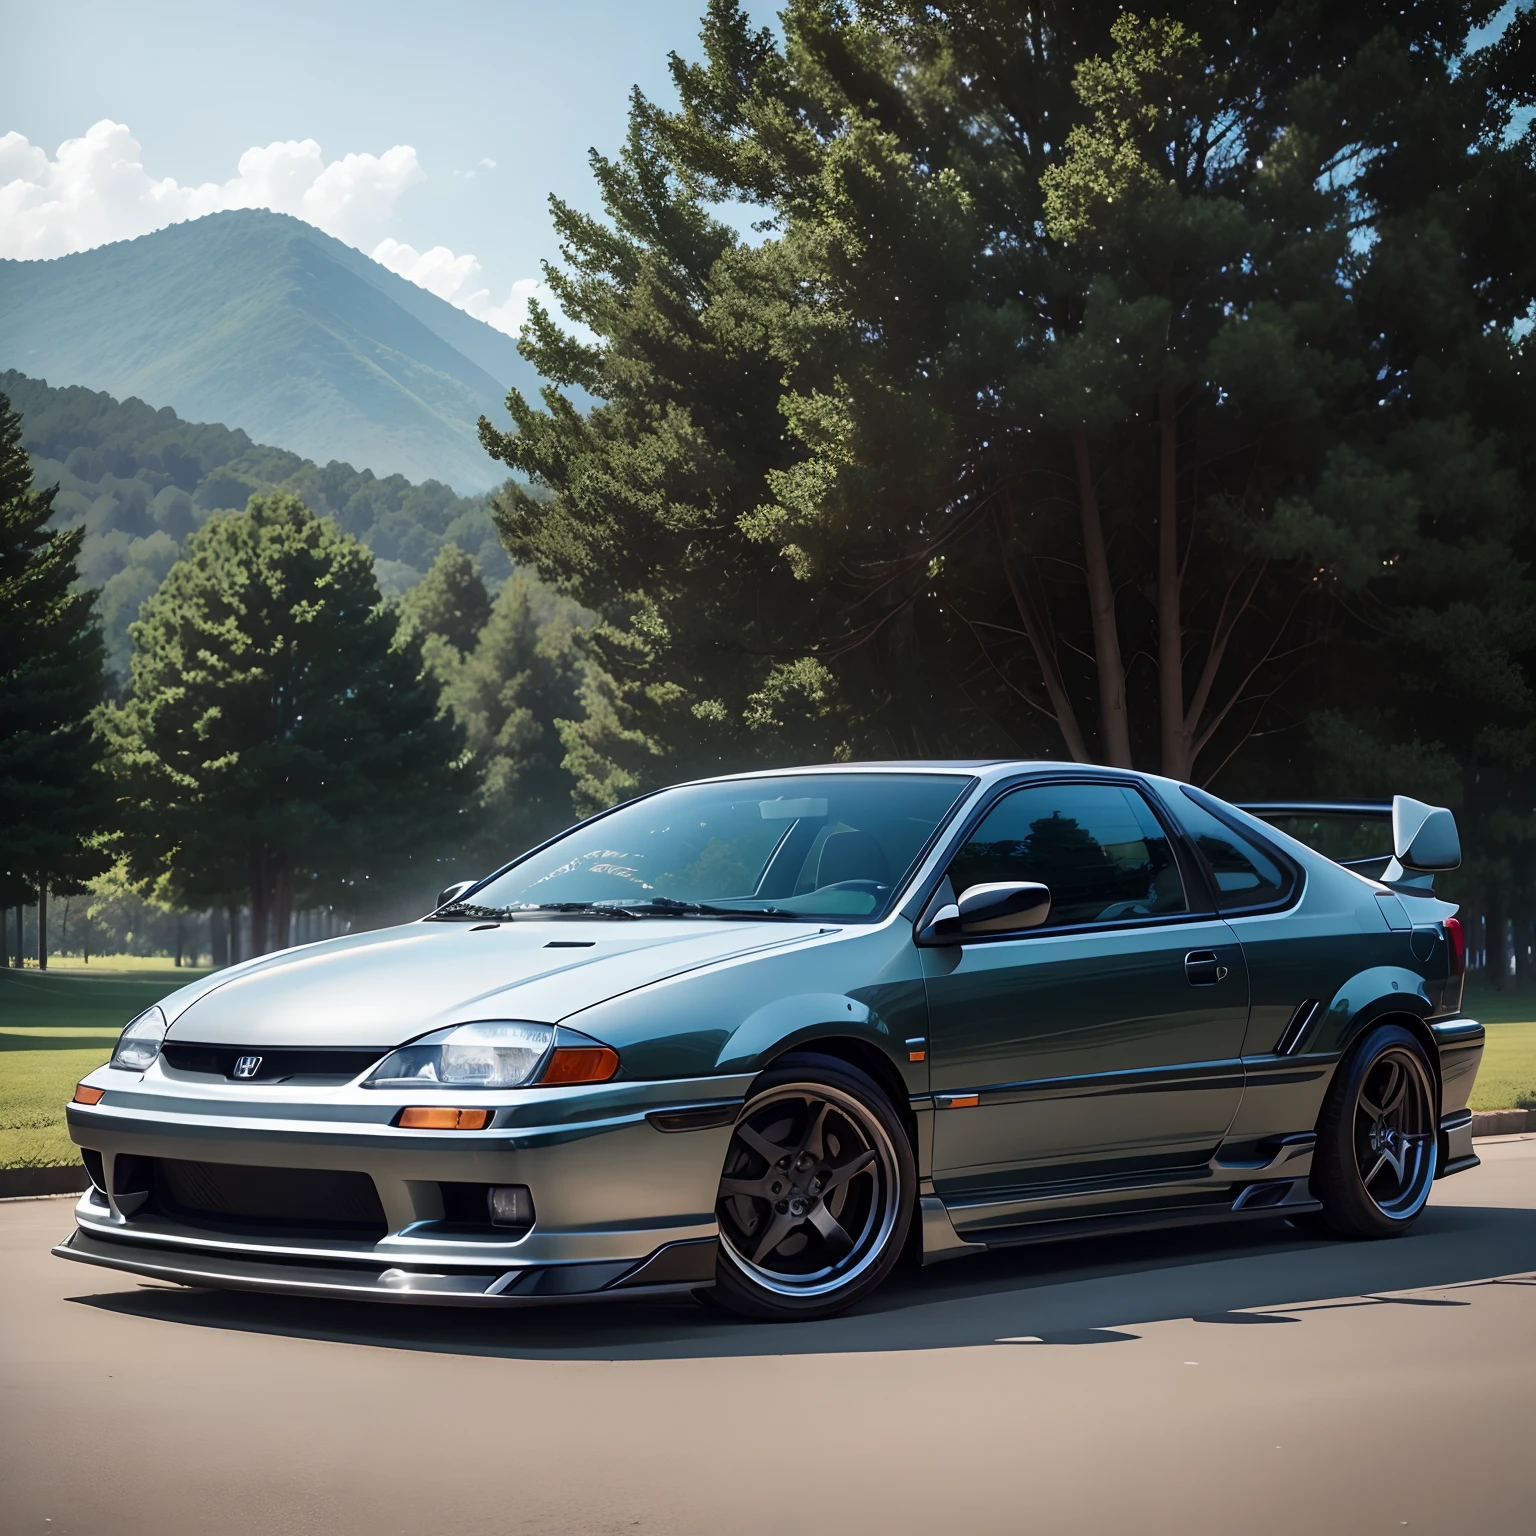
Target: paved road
<point>1244,1382</point>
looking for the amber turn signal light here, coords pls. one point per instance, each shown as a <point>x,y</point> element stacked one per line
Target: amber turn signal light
<point>433,1117</point>
<point>580,1064</point>
<point>84,1095</point>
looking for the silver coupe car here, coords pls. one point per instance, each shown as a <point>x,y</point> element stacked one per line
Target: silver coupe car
<point>761,1034</point>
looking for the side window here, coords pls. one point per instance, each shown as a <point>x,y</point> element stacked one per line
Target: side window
<point>1244,874</point>
<point>1097,846</point>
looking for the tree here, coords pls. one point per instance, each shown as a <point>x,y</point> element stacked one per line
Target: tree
<point>515,689</point>
<point>1074,397</point>
<point>281,738</point>
<point>54,801</point>
<point>449,601</point>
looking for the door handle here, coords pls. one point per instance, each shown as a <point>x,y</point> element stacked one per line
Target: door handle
<point>1203,969</point>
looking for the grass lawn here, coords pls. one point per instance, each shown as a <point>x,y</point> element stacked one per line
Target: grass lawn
<point>56,1026</point>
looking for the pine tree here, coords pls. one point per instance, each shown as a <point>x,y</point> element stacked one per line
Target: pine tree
<point>449,601</point>
<point>281,737</point>
<point>1091,382</point>
<point>515,690</point>
<point>54,801</point>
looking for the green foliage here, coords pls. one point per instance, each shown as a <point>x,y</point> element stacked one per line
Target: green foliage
<point>450,601</point>
<point>53,799</point>
<point>135,482</point>
<point>511,687</point>
<point>280,739</point>
<point>1229,290</point>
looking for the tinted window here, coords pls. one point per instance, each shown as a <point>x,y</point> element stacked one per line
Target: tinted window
<point>825,845</point>
<point>1244,874</point>
<point>1097,846</point>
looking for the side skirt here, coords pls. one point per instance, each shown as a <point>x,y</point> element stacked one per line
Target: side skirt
<point>1257,1202</point>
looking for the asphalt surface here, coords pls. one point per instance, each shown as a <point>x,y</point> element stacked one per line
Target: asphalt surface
<point>1245,1381</point>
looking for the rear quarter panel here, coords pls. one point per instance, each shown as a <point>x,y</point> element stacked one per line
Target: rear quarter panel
<point>1334,946</point>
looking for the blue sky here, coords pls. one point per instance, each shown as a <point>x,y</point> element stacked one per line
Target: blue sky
<point>488,107</point>
<point>528,86</point>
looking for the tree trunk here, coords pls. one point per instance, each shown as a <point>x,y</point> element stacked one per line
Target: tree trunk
<point>1170,622</point>
<point>1498,941</point>
<point>1114,724</point>
<point>282,905</point>
<point>1042,644</point>
<point>42,922</point>
<point>232,947</point>
<point>178,940</point>
<point>261,902</point>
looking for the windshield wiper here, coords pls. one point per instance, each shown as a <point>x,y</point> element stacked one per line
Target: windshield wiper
<point>665,906</point>
<point>662,906</point>
<point>460,911</point>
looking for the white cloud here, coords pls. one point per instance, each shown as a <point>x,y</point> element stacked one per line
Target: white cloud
<point>487,164</point>
<point>458,279</point>
<point>97,190</point>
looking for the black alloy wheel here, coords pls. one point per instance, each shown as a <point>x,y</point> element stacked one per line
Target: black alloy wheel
<point>1378,1137</point>
<point>816,1195</point>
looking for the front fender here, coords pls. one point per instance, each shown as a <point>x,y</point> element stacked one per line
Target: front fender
<point>790,1021</point>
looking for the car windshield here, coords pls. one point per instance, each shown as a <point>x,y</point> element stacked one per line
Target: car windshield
<point>834,845</point>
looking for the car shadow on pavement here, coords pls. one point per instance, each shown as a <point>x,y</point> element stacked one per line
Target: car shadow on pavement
<point>1092,1291</point>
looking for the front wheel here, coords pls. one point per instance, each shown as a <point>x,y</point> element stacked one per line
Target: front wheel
<point>1378,1137</point>
<point>816,1195</point>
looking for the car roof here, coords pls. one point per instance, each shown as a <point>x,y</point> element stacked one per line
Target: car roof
<point>956,765</point>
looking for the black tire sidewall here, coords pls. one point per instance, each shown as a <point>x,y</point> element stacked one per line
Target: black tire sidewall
<point>737,1291</point>
<point>1348,1210</point>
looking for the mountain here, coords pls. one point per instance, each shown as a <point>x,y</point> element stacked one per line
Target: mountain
<point>141,479</point>
<point>262,322</point>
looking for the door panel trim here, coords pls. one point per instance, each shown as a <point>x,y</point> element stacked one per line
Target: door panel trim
<point>1195,1074</point>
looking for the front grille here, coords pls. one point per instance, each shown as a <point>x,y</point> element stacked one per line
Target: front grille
<point>231,1195</point>
<point>277,1064</point>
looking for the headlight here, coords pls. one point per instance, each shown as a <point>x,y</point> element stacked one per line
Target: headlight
<point>489,1055</point>
<point>138,1047</point>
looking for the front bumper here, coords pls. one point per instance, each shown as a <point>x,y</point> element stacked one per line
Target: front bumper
<point>623,1178</point>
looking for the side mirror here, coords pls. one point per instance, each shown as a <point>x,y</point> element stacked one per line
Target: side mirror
<point>1005,906</point>
<point>454,891</point>
<point>1424,838</point>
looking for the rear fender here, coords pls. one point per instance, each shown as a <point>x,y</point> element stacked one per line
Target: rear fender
<point>1370,995</point>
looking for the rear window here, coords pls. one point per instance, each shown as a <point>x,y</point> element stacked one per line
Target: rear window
<point>1244,871</point>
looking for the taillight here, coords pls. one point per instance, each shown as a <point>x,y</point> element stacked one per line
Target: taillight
<point>1458,942</point>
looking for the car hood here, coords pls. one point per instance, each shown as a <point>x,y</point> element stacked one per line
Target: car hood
<point>385,987</point>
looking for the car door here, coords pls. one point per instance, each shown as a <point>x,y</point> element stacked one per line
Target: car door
<point>1102,1046</point>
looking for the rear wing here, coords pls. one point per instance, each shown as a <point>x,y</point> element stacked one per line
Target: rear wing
<point>1401,842</point>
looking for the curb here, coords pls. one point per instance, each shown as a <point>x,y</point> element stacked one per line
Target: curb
<point>1503,1122</point>
<point>69,1180</point>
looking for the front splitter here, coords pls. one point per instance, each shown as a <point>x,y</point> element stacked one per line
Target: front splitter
<point>673,1269</point>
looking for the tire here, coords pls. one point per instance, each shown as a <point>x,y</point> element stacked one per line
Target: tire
<point>816,1195</point>
<point>1378,1137</point>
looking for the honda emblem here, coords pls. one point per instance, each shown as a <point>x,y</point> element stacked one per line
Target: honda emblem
<point>247,1066</point>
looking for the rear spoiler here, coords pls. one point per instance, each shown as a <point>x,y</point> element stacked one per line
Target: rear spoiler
<point>1417,841</point>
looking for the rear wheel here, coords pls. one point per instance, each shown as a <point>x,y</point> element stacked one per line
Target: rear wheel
<point>816,1195</point>
<point>1377,1138</point>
